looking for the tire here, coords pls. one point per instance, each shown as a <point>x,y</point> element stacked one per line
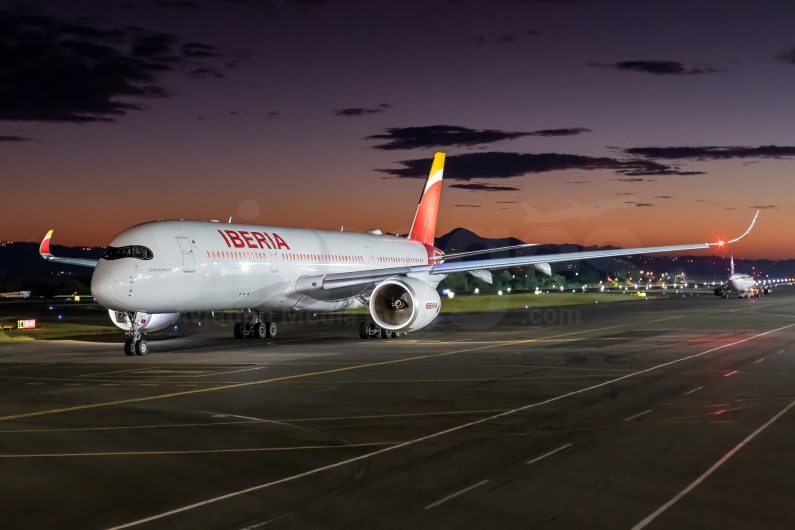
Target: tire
<point>271,330</point>
<point>363,330</point>
<point>128,348</point>
<point>386,334</point>
<point>260,331</point>
<point>141,348</point>
<point>238,330</point>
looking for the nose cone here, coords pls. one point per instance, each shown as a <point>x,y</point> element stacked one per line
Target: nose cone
<point>105,287</point>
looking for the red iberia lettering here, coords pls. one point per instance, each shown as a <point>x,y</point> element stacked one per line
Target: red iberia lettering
<point>281,242</point>
<point>261,240</point>
<point>247,238</point>
<point>236,241</point>
<point>225,239</point>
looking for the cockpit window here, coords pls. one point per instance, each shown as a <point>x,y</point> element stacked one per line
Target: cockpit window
<point>133,251</point>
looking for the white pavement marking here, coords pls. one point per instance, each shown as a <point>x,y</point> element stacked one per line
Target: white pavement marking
<point>637,415</point>
<point>456,494</point>
<point>758,361</point>
<point>707,473</point>
<point>561,448</point>
<point>433,435</point>
<point>731,373</point>
<point>782,351</point>
<point>694,390</point>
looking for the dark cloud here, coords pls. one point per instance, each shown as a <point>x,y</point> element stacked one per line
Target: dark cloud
<point>199,50</point>
<point>184,4</point>
<point>273,114</point>
<point>206,71</point>
<point>578,182</point>
<point>663,197</point>
<point>658,67</point>
<point>467,206</point>
<point>507,202</point>
<point>361,111</point>
<point>712,152</point>
<point>502,165</point>
<point>788,56</point>
<point>631,180</point>
<point>477,186</point>
<point>451,135</point>
<point>513,37</point>
<point>643,204</point>
<point>56,71</point>
<point>14,139</point>
<point>765,207</point>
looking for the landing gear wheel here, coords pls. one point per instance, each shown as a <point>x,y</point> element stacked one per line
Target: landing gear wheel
<point>141,348</point>
<point>128,348</point>
<point>386,334</point>
<point>238,330</point>
<point>260,332</point>
<point>271,330</point>
<point>363,328</point>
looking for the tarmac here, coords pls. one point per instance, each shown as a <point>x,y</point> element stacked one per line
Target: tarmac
<point>669,413</point>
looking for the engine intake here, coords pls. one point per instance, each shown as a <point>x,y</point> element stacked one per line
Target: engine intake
<point>405,304</point>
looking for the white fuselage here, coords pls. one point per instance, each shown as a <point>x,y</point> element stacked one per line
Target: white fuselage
<point>200,266</point>
<point>742,283</point>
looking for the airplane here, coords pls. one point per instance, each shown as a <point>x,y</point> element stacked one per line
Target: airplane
<point>744,284</point>
<point>153,272</point>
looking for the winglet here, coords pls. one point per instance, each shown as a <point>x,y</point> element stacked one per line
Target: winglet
<point>44,248</point>
<point>721,243</point>
<point>746,232</point>
<point>423,229</point>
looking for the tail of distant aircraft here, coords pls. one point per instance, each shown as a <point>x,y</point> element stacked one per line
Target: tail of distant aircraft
<point>423,229</point>
<point>731,262</point>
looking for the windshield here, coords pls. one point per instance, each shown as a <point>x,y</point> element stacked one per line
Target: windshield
<point>133,251</point>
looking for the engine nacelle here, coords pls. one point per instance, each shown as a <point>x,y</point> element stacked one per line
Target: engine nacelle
<point>146,322</point>
<point>405,304</point>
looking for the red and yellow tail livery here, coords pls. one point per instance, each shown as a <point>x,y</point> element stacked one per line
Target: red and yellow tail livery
<point>423,229</point>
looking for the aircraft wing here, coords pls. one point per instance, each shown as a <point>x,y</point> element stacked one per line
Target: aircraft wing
<point>339,280</point>
<point>44,251</point>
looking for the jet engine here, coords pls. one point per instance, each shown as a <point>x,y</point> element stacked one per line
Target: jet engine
<point>146,322</point>
<point>405,304</point>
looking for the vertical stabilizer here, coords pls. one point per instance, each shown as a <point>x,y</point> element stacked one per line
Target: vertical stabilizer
<point>731,262</point>
<point>423,229</point>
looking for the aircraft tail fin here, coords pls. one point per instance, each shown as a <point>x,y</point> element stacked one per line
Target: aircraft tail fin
<point>731,262</point>
<point>423,229</point>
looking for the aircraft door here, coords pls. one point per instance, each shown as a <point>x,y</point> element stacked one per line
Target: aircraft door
<point>370,259</point>
<point>188,260</point>
<point>274,261</point>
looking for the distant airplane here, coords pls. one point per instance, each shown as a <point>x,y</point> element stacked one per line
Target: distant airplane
<point>743,284</point>
<point>152,272</point>
<point>583,212</point>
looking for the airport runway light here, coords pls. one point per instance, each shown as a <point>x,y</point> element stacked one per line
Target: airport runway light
<point>509,289</point>
<point>477,291</point>
<point>499,293</point>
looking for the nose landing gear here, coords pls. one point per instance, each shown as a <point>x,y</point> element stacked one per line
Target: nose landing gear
<point>135,345</point>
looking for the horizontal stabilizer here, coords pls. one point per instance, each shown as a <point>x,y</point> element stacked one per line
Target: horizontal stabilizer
<point>457,255</point>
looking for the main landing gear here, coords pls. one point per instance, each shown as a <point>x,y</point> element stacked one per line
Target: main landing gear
<point>256,329</point>
<point>135,345</point>
<point>369,330</point>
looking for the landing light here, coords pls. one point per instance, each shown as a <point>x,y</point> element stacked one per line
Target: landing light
<point>477,291</point>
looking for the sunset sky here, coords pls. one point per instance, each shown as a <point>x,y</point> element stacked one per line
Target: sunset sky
<point>675,118</point>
